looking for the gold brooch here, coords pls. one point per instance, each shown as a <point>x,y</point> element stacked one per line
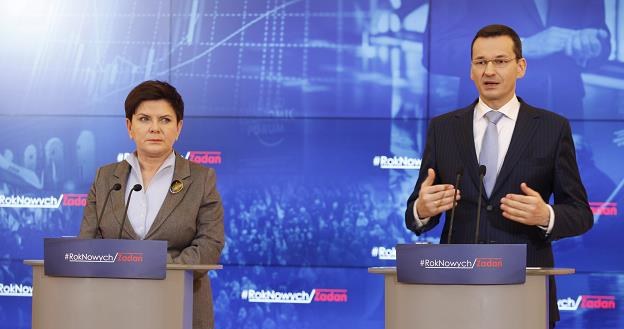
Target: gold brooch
<point>176,186</point>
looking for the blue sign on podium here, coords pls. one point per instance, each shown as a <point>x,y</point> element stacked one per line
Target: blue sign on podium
<point>461,263</point>
<point>105,258</point>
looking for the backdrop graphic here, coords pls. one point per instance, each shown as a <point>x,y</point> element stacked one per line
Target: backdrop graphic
<point>313,114</point>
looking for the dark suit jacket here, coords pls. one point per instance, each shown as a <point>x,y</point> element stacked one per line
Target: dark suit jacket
<point>191,221</point>
<point>541,154</point>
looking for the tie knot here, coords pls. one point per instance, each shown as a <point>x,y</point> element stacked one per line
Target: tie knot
<point>494,116</point>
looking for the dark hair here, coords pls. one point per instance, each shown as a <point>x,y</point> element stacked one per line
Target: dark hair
<point>497,30</point>
<point>153,90</point>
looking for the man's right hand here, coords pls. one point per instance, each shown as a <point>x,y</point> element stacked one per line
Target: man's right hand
<point>434,199</point>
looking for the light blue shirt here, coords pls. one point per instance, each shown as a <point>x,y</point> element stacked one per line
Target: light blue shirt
<point>146,203</point>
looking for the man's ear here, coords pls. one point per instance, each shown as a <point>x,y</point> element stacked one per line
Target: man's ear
<point>522,66</point>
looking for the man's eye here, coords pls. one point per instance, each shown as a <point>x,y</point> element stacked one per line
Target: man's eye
<point>479,63</point>
<point>499,61</point>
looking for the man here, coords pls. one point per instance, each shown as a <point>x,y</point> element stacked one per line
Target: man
<point>529,155</point>
<point>561,39</point>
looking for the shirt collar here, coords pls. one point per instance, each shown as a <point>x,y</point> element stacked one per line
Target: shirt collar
<point>133,160</point>
<point>510,109</point>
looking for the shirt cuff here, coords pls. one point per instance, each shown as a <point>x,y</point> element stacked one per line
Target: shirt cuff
<point>551,221</point>
<point>420,222</point>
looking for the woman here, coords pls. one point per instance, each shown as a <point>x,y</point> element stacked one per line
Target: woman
<point>179,201</point>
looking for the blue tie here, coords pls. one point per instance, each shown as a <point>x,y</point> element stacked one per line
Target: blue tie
<point>488,156</point>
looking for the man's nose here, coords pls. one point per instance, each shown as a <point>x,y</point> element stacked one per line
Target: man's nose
<point>489,68</point>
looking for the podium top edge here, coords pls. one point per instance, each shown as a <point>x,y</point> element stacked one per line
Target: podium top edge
<point>202,267</point>
<point>391,270</point>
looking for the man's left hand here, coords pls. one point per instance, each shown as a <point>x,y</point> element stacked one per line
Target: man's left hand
<point>528,209</point>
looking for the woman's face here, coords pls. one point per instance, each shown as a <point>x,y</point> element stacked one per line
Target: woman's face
<point>154,128</point>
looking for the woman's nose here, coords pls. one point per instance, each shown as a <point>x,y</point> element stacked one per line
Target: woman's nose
<point>154,127</point>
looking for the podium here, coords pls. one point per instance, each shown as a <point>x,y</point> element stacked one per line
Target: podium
<point>78,303</point>
<point>431,306</point>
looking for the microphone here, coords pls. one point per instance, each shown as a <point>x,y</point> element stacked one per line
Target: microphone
<point>481,175</point>
<point>98,219</point>
<point>458,177</point>
<point>136,187</point>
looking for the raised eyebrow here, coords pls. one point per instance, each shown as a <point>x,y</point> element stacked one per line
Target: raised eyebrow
<point>166,116</point>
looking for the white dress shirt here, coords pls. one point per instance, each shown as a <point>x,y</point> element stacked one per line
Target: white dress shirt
<point>145,204</point>
<point>505,128</point>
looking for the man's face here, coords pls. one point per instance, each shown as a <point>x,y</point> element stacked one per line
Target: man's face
<point>154,128</point>
<point>496,80</point>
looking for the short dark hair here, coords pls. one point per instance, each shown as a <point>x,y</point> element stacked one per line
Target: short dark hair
<point>497,30</point>
<point>152,90</point>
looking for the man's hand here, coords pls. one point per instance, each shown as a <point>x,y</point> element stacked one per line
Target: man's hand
<point>434,199</point>
<point>585,44</point>
<point>549,41</point>
<point>528,209</point>
<point>618,139</point>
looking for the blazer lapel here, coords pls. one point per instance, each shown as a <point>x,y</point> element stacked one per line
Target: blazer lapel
<point>465,140</point>
<point>118,198</point>
<point>531,10</point>
<point>182,172</point>
<point>523,132</point>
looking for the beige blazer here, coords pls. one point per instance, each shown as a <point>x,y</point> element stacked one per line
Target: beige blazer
<point>191,221</point>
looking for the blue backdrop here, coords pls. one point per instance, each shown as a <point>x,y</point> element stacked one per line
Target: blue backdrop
<point>313,114</point>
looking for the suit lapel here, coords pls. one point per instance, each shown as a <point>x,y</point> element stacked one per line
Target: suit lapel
<point>523,132</point>
<point>465,140</point>
<point>118,198</point>
<point>533,13</point>
<point>182,172</point>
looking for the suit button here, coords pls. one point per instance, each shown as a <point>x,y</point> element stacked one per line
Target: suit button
<point>489,207</point>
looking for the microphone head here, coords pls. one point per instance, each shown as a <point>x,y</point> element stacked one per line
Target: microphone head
<point>137,187</point>
<point>460,171</point>
<point>116,187</point>
<point>482,170</point>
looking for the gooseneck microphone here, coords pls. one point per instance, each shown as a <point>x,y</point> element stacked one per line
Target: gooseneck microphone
<point>481,176</point>
<point>98,219</point>
<point>136,187</point>
<point>458,177</point>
